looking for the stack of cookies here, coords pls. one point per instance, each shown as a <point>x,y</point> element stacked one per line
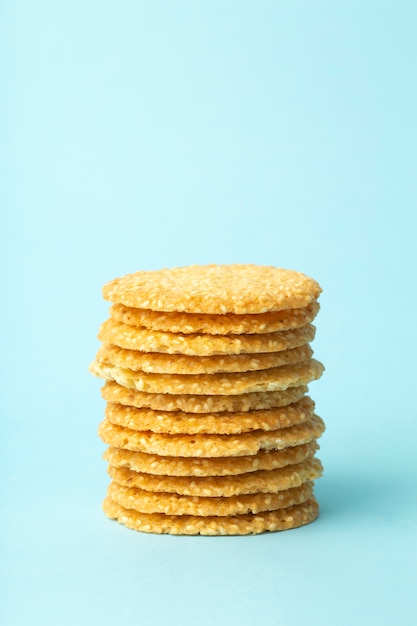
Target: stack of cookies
<point>208,422</point>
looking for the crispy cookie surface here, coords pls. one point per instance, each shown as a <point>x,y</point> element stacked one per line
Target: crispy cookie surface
<point>227,324</point>
<point>160,363</point>
<point>144,340</point>
<point>281,519</point>
<point>261,481</point>
<point>113,392</point>
<point>274,379</point>
<point>210,445</point>
<point>217,289</point>
<point>174,504</point>
<point>177,422</point>
<point>220,466</point>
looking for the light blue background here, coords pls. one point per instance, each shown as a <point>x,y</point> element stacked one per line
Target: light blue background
<point>138,135</point>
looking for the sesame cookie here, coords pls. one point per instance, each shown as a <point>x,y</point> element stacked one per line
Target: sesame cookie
<point>210,445</point>
<point>214,289</point>
<point>228,324</point>
<point>281,519</point>
<point>160,363</point>
<point>274,379</point>
<point>261,481</point>
<point>113,392</point>
<point>144,340</point>
<point>174,504</point>
<point>220,466</point>
<point>223,423</point>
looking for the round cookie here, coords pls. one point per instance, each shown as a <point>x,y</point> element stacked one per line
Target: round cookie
<point>144,340</point>
<point>178,423</point>
<point>214,289</point>
<point>113,392</point>
<point>281,519</point>
<point>160,363</point>
<point>210,446</point>
<point>274,379</point>
<point>174,504</point>
<point>220,466</point>
<point>261,481</point>
<point>227,324</point>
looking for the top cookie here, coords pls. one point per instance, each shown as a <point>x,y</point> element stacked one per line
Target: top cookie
<point>214,289</point>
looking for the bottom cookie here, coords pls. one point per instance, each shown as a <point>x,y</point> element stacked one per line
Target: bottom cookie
<point>281,519</point>
<point>174,504</point>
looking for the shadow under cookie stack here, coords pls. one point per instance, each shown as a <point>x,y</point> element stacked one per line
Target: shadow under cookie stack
<point>208,422</point>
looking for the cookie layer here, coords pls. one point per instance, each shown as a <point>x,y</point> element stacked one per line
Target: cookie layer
<point>210,445</point>
<point>113,392</point>
<point>281,519</point>
<point>174,504</point>
<point>220,466</point>
<point>217,289</point>
<point>144,340</point>
<point>274,379</point>
<point>160,363</point>
<point>177,422</point>
<point>227,324</point>
<point>261,481</point>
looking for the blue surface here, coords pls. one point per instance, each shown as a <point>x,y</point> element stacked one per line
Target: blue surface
<point>139,135</point>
